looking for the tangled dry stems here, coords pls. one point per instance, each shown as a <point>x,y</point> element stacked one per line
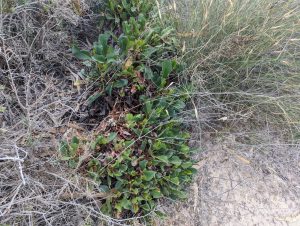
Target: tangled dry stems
<point>37,93</point>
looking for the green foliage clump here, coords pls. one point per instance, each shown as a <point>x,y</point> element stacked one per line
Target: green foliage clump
<point>140,154</point>
<point>120,11</point>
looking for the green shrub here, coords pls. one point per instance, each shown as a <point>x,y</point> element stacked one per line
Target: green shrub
<point>140,153</point>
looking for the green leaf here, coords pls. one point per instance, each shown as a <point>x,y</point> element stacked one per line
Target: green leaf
<point>142,20</point>
<point>163,158</point>
<point>93,98</point>
<point>72,163</point>
<point>158,80</point>
<point>138,117</point>
<point>156,193</point>
<point>98,49</point>
<point>148,73</point>
<point>103,188</point>
<point>126,154</point>
<point>179,105</point>
<point>137,182</point>
<point>75,140</point>
<point>120,83</point>
<point>106,207</point>
<point>123,43</point>
<point>158,146</point>
<point>151,203</point>
<point>135,208</point>
<point>99,59</point>
<point>137,199</point>
<point>119,185</point>
<point>165,191</point>
<point>133,173</point>
<point>149,51</point>
<point>108,89</point>
<point>126,204</point>
<point>148,106</point>
<point>111,137</point>
<point>103,39</point>
<point>143,164</point>
<point>139,43</point>
<point>190,171</point>
<point>186,165</point>
<point>144,145</point>
<point>138,132</point>
<point>149,175</point>
<point>178,194</point>
<point>81,54</point>
<point>129,118</point>
<point>146,207</point>
<point>175,160</point>
<point>111,55</point>
<point>126,27</point>
<point>185,149</point>
<point>166,32</point>
<point>129,143</point>
<point>94,162</point>
<point>117,174</point>
<point>105,140</point>
<point>94,176</point>
<point>166,68</point>
<point>174,180</point>
<point>125,5</point>
<point>64,148</point>
<point>123,167</point>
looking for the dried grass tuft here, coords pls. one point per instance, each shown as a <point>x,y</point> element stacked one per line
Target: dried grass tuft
<point>37,98</point>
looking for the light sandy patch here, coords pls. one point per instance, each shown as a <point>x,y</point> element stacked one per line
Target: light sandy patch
<point>243,184</point>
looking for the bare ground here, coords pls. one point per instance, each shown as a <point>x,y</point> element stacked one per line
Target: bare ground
<point>243,184</point>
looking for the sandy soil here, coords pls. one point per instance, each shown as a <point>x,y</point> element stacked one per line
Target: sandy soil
<point>243,184</point>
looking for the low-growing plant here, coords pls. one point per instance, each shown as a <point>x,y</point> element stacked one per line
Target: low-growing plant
<point>119,11</point>
<point>142,158</point>
<point>140,152</point>
<point>120,61</point>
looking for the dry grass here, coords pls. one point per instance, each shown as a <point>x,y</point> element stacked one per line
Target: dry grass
<point>243,58</point>
<point>37,99</point>
<point>244,65</point>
